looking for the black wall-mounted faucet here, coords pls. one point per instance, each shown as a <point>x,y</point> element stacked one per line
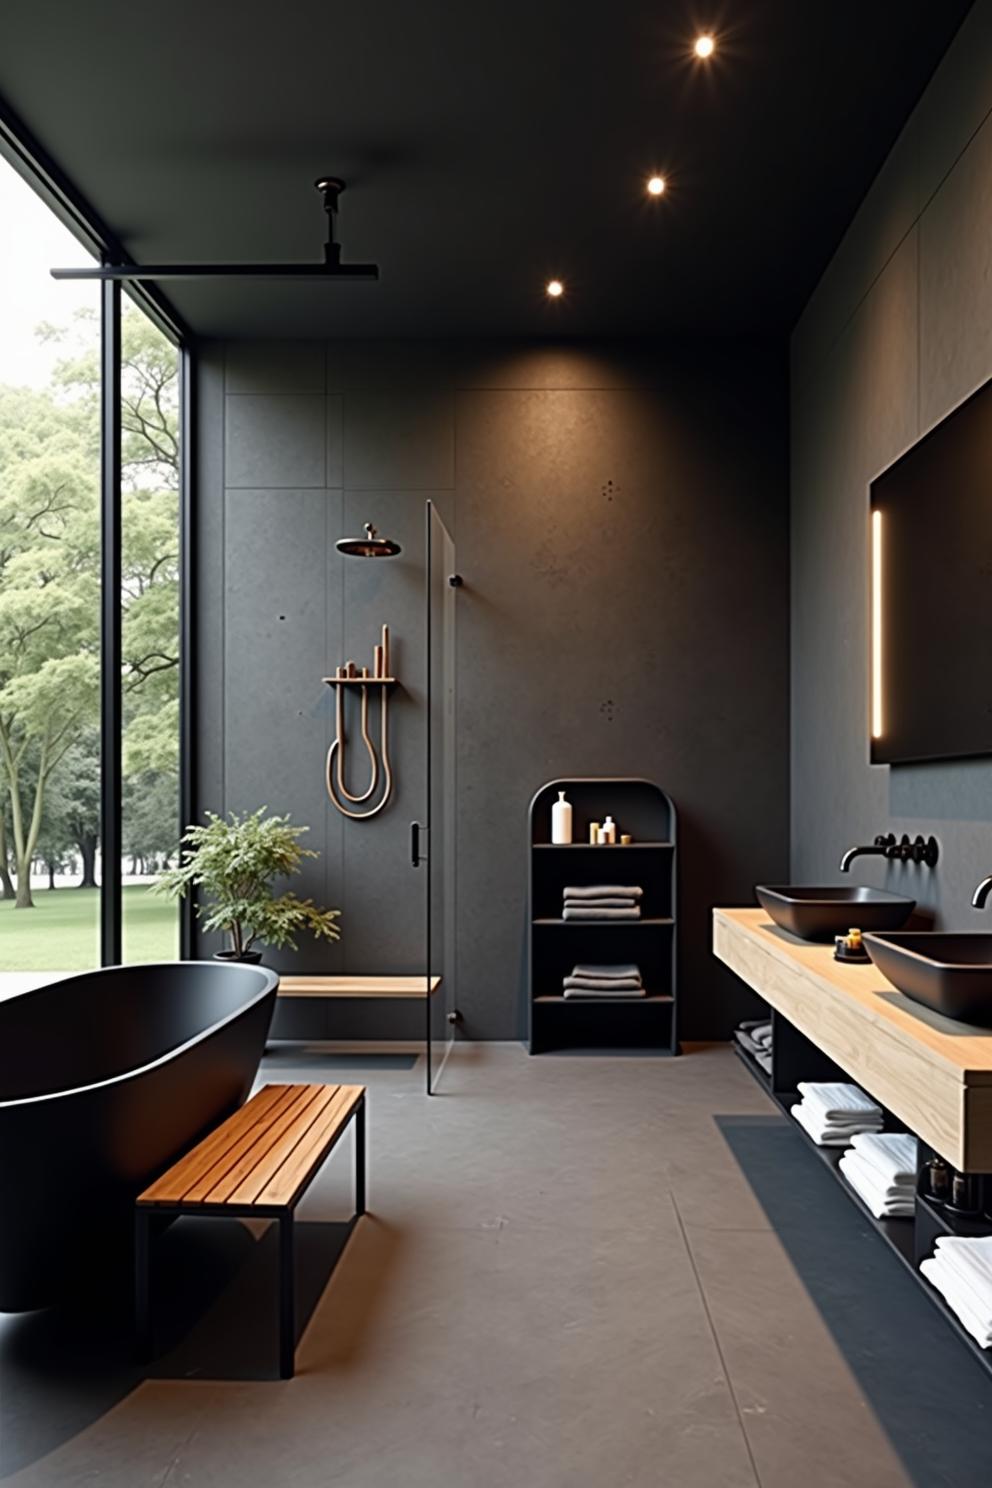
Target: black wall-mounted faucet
<point>980,895</point>
<point>920,850</point>
<point>881,848</point>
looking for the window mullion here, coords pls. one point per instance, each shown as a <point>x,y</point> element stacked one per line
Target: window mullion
<point>111,719</point>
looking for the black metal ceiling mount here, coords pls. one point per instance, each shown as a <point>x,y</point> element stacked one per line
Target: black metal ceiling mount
<point>330,188</point>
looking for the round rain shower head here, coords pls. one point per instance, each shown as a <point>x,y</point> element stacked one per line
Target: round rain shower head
<point>369,546</point>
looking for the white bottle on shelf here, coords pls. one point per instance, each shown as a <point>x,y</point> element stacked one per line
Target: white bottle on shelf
<point>561,821</point>
<point>610,830</point>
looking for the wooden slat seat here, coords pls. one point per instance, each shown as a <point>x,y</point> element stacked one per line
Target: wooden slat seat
<point>357,986</point>
<point>258,1162</point>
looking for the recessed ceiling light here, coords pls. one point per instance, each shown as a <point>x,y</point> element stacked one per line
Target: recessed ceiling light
<point>555,288</point>
<point>656,185</point>
<point>704,46</point>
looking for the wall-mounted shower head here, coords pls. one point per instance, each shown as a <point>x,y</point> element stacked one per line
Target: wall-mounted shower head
<point>369,546</point>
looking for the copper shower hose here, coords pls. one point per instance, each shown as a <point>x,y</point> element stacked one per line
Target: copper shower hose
<point>336,787</point>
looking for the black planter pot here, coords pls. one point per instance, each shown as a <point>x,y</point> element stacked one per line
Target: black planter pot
<point>247,958</point>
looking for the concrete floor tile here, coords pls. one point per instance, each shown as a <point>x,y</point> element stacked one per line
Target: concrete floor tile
<point>578,1273</point>
<point>800,1402</point>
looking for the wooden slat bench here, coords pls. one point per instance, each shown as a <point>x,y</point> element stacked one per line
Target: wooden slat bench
<point>255,1165</point>
<point>357,986</point>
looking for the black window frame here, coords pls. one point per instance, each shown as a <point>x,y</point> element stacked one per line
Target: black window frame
<point>26,155</point>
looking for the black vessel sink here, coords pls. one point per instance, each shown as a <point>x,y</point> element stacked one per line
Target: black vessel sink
<point>949,972</point>
<point>814,912</point>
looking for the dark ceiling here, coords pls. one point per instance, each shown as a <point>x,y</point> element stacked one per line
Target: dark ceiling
<point>487,147</point>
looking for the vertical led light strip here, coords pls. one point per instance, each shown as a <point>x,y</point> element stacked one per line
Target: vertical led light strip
<point>876,624</point>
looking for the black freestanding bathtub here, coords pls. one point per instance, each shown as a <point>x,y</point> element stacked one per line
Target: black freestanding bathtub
<point>105,1079</point>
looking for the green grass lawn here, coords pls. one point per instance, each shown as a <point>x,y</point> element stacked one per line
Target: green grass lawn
<point>62,932</point>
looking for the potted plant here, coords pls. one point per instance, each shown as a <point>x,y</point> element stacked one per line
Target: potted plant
<point>234,861</point>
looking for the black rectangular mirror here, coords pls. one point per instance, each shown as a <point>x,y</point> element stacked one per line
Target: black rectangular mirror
<point>931,593</point>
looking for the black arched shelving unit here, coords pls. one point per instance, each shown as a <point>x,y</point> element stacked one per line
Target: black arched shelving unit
<point>643,810</point>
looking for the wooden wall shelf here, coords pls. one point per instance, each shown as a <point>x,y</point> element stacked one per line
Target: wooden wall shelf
<point>557,1022</point>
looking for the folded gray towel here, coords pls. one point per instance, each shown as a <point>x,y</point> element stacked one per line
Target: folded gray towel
<point>607,981</point>
<point>582,992</point>
<point>615,903</point>
<point>603,891</point>
<point>758,1028</point>
<point>604,989</point>
<point>570,913</point>
<point>624,969</point>
<point>747,1042</point>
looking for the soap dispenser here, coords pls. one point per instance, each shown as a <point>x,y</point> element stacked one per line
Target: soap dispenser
<point>561,821</point>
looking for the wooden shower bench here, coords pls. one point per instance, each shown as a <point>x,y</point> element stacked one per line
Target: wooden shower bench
<point>256,1165</point>
<point>357,986</point>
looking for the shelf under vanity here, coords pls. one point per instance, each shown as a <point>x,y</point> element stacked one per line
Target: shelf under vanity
<point>930,1075</point>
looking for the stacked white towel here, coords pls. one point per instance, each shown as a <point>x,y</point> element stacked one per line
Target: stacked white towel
<point>961,1270</point>
<point>881,1168</point>
<point>602,902</point>
<point>604,981</point>
<point>755,1037</point>
<point>832,1112</point>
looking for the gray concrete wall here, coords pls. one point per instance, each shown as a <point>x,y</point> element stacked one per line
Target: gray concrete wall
<point>621,521</point>
<point>897,333</point>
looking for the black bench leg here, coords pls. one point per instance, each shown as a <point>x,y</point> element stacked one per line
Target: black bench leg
<point>287,1297</point>
<point>360,1159</point>
<point>142,1305</point>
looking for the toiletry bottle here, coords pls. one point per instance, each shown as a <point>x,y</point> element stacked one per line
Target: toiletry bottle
<point>938,1180</point>
<point>966,1193</point>
<point>561,820</point>
<point>610,829</point>
<point>594,833</point>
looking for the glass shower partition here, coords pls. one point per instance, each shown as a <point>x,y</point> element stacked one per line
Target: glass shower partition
<point>443,583</point>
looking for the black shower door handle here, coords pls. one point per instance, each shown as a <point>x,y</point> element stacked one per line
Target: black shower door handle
<point>416,855</point>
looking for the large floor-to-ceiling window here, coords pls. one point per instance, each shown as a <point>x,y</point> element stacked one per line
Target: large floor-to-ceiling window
<point>150,480</point>
<point>55,756</point>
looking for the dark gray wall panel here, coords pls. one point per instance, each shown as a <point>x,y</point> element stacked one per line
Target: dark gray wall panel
<point>956,102</point>
<point>377,365</point>
<point>955,273</point>
<point>897,333</point>
<point>276,719</point>
<point>334,457</point>
<point>605,545</point>
<point>385,912</point>
<point>621,521</point>
<point>207,541</point>
<point>397,439</point>
<point>275,367</point>
<point>276,440</point>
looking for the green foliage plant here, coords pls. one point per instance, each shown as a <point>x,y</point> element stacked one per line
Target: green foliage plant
<point>234,862</point>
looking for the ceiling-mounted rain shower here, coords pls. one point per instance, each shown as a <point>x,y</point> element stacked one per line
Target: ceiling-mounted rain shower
<point>330,188</point>
<point>369,546</point>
